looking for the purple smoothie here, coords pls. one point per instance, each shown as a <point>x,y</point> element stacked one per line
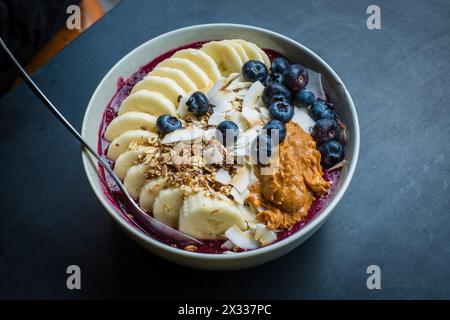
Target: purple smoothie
<point>116,197</point>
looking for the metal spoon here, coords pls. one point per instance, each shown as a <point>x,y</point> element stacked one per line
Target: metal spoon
<point>147,223</point>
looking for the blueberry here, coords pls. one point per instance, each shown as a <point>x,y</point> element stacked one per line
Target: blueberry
<point>325,130</point>
<point>262,149</point>
<point>227,132</point>
<point>303,98</point>
<point>273,125</point>
<point>296,78</point>
<point>274,78</point>
<point>332,153</point>
<point>321,110</point>
<point>280,65</point>
<point>281,110</point>
<point>254,71</point>
<point>167,123</point>
<point>275,92</point>
<point>198,104</point>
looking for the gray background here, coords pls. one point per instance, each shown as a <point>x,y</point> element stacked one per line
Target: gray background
<point>395,213</point>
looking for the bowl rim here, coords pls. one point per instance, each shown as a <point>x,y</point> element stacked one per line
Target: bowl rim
<point>310,226</point>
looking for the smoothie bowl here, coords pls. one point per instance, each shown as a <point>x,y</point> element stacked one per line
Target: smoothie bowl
<point>235,135</point>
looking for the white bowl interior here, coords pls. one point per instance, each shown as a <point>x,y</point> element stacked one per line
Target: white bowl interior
<point>265,39</point>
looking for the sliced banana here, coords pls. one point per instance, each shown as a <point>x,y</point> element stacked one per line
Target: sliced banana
<point>149,192</point>
<point>120,144</point>
<point>150,102</point>
<point>130,121</point>
<point>225,56</point>
<point>126,160</point>
<point>253,51</point>
<point>166,207</point>
<point>204,61</point>
<point>165,86</point>
<point>208,218</point>
<point>239,49</point>
<point>178,76</point>
<point>135,179</point>
<point>193,71</point>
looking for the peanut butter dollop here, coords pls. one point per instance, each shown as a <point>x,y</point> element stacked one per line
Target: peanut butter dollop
<point>288,193</point>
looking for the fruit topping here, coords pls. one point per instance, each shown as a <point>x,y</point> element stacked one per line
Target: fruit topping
<point>332,153</point>
<point>275,126</point>
<point>322,110</point>
<point>296,78</point>
<point>275,92</point>
<point>254,71</point>
<point>167,123</point>
<point>227,132</point>
<point>198,104</point>
<point>303,98</point>
<point>281,110</point>
<point>280,65</point>
<point>325,130</point>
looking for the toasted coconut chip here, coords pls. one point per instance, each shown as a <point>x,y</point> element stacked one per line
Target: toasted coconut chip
<point>218,85</point>
<point>227,245</point>
<point>182,135</point>
<point>230,78</point>
<point>238,83</point>
<point>246,213</point>
<point>223,177</point>
<point>241,179</point>
<point>216,118</point>
<point>339,165</point>
<point>241,239</point>
<point>315,84</point>
<point>209,133</point>
<point>252,116</point>
<point>182,106</point>
<point>303,119</point>
<point>264,235</point>
<point>239,197</point>
<point>253,95</point>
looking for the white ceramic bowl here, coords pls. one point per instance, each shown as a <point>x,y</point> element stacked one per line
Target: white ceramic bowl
<point>265,39</point>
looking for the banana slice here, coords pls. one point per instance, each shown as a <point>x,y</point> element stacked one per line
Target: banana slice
<point>126,160</point>
<point>166,207</point>
<point>135,179</point>
<point>239,49</point>
<point>193,71</point>
<point>149,192</point>
<point>208,218</point>
<point>225,56</point>
<point>205,62</point>
<point>120,144</point>
<point>130,121</point>
<point>178,76</point>
<point>165,86</point>
<point>253,51</point>
<point>151,102</point>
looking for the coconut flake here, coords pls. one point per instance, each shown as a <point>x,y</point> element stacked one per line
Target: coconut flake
<point>216,118</point>
<point>238,196</point>
<point>212,155</point>
<point>264,235</point>
<point>182,106</point>
<point>252,116</point>
<point>223,177</point>
<point>253,95</point>
<point>241,179</point>
<point>315,84</point>
<point>182,135</point>
<point>238,83</point>
<point>303,119</point>
<point>241,239</point>
<point>227,245</point>
<point>209,133</point>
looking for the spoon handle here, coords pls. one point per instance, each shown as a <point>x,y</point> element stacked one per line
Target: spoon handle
<point>148,221</point>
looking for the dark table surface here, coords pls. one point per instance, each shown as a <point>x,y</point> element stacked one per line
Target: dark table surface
<point>395,214</point>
